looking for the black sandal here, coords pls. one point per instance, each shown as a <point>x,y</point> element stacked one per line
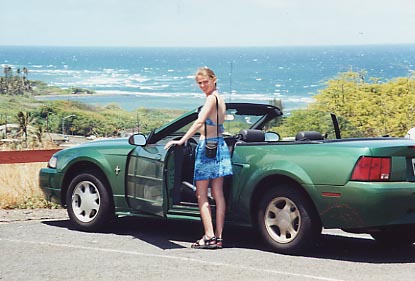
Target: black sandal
<point>208,243</point>
<point>219,243</point>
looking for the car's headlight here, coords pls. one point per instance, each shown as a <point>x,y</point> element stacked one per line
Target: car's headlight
<point>53,162</point>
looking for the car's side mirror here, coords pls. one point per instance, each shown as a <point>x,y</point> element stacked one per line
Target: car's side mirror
<point>272,136</point>
<point>137,139</point>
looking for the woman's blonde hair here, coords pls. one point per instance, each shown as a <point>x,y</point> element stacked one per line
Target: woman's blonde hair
<point>207,72</point>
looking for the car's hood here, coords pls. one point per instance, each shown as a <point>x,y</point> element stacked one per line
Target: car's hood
<point>110,143</point>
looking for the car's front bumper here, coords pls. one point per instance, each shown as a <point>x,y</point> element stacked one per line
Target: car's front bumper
<point>50,184</point>
<point>367,204</point>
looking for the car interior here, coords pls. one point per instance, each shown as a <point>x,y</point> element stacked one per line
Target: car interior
<point>184,157</point>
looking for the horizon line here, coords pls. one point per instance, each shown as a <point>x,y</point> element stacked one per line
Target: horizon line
<point>211,47</point>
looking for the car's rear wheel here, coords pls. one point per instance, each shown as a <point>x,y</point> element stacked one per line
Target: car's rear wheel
<point>88,202</point>
<point>287,220</point>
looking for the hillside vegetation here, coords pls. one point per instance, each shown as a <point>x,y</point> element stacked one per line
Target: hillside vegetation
<point>34,118</point>
<point>365,107</point>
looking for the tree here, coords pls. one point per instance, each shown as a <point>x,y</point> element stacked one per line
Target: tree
<point>24,120</point>
<point>15,85</point>
<point>8,72</point>
<point>25,72</point>
<point>370,108</point>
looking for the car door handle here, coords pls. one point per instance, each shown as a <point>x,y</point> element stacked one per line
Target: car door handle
<point>243,165</point>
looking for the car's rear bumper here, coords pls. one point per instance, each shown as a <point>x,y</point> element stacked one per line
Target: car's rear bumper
<point>50,184</point>
<point>367,204</point>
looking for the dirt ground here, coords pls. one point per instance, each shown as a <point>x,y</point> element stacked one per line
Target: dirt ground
<point>31,214</point>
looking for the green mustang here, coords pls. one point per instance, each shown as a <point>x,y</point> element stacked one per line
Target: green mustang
<point>287,189</point>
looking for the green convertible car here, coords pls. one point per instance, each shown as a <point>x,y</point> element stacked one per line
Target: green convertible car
<point>287,189</point>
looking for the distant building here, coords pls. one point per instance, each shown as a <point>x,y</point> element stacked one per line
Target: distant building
<point>12,129</point>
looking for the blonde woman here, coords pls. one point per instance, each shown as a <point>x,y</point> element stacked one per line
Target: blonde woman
<point>209,171</point>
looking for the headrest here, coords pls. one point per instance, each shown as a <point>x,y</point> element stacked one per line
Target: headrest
<point>251,135</point>
<point>308,136</point>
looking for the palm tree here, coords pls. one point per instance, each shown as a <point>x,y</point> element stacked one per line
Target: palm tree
<point>7,70</point>
<point>2,85</point>
<point>24,120</point>
<point>25,72</point>
<point>26,82</point>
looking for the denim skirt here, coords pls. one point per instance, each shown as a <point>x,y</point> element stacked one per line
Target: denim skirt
<point>212,168</point>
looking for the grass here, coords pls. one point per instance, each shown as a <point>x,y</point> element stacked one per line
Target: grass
<point>19,187</point>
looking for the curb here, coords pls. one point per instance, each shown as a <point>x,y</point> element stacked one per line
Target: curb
<point>16,215</point>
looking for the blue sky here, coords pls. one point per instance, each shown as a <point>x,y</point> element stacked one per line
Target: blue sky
<point>206,23</point>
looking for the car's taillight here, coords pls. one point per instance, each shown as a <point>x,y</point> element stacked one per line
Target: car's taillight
<point>372,169</point>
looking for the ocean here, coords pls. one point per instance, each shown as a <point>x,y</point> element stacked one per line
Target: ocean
<point>164,77</point>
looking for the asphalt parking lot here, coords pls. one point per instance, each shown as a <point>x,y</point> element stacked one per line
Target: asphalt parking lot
<point>45,247</point>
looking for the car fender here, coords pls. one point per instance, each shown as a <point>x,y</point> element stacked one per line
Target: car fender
<point>111,165</point>
<point>252,180</point>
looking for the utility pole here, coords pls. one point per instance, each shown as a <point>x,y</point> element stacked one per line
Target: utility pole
<point>63,122</point>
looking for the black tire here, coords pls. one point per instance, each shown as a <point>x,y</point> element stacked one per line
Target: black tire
<point>287,221</point>
<point>88,201</point>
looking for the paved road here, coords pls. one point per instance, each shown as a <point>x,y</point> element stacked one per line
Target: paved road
<point>141,249</point>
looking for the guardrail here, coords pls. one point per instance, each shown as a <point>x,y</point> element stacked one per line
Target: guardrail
<point>26,156</point>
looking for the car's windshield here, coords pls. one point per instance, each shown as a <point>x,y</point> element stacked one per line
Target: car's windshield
<point>237,118</point>
<point>233,123</point>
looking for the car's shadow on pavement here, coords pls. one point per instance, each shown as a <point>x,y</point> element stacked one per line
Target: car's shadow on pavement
<point>164,234</point>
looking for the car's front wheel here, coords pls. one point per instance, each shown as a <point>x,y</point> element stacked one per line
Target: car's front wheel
<point>88,202</point>
<point>287,220</point>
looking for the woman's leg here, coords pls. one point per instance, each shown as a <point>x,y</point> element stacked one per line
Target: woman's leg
<point>217,193</point>
<point>204,207</point>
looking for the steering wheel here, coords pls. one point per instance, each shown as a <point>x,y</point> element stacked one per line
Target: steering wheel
<point>189,141</point>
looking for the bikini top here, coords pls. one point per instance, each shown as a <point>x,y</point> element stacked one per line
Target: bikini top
<point>209,122</point>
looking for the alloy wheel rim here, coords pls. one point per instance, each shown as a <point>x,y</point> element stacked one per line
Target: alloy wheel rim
<point>86,201</point>
<point>282,220</point>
